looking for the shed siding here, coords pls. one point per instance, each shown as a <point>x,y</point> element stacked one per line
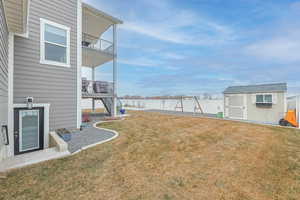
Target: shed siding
<point>47,83</point>
<point>3,74</point>
<point>267,115</point>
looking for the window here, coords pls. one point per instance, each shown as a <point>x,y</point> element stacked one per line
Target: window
<point>264,98</point>
<point>268,98</point>
<point>259,98</point>
<point>55,44</point>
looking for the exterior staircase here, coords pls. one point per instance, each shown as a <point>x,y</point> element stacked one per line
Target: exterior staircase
<point>108,104</point>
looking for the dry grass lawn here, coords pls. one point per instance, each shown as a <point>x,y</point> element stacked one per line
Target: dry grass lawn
<point>171,158</point>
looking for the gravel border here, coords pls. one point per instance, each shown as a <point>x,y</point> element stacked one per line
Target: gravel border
<point>90,137</point>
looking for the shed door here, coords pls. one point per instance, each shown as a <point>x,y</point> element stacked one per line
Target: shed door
<point>235,106</point>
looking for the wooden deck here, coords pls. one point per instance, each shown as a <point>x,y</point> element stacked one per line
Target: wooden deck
<point>86,95</point>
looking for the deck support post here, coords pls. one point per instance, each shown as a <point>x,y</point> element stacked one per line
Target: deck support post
<point>93,105</point>
<point>93,100</point>
<point>114,106</point>
<point>93,74</point>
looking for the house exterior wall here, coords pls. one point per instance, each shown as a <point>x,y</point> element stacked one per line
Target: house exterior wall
<point>3,76</point>
<point>51,84</point>
<point>266,115</point>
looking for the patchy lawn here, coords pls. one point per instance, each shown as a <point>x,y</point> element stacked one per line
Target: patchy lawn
<point>169,157</point>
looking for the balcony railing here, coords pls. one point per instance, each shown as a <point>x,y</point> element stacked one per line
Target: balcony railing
<point>101,45</point>
<point>96,88</point>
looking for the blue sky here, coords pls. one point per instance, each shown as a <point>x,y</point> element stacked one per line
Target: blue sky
<point>175,47</point>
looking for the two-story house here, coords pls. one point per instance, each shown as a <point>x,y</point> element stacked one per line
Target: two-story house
<point>43,46</point>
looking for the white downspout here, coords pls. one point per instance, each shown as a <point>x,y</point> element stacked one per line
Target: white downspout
<point>79,61</point>
<point>10,124</point>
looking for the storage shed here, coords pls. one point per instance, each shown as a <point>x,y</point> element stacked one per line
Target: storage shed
<point>264,103</point>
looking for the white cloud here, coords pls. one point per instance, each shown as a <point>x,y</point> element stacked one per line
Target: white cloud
<point>164,21</point>
<point>174,56</point>
<point>155,31</point>
<point>281,41</point>
<point>283,49</point>
<point>179,26</point>
<point>142,62</point>
<point>207,33</point>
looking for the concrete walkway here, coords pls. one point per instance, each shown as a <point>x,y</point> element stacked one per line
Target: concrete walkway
<point>31,158</point>
<point>88,137</point>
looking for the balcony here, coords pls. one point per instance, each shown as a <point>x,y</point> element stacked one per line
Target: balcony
<point>95,50</point>
<point>96,89</point>
<point>102,45</point>
<point>96,53</point>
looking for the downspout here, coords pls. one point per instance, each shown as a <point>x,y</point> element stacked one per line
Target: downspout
<point>10,124</point>
<point>79,61</point>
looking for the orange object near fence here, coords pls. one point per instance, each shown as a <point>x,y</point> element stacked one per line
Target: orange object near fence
<point>291,117</point>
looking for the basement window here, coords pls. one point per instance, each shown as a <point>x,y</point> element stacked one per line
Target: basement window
<point>55,44</point>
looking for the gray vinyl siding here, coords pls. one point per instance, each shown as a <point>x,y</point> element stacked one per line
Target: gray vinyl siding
<point>47,83</point>
<point>3,74</point>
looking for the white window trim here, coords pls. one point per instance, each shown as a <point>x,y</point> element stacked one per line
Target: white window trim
<point>43,22</point>
<point>264,98</point>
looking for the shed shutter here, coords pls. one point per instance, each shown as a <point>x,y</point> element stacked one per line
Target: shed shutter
<point>226,100</point>
<point>253,98</point>
<point>274,98</point>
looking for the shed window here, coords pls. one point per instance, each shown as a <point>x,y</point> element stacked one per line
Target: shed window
<point>264,98</point>
<point>55,44</point>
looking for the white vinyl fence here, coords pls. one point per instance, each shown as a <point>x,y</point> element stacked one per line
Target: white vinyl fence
<point>208,106</point>
<point>87,104</point>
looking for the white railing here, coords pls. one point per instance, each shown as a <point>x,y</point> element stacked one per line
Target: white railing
<point>101,45</point>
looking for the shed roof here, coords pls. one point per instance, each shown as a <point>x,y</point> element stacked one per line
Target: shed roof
<point>274,87</point>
